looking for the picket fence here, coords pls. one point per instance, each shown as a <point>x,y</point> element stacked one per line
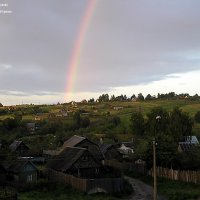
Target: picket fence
<point>108,185</point>
<point>178,175</point>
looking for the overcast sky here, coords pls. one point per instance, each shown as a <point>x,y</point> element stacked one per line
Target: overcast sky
<point>130,46</point>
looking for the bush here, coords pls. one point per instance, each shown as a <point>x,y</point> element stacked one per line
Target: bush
<point>197,117</point>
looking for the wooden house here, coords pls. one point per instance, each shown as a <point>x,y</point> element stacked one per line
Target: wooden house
<point>126,149</point>
<point>22,171</point>
<point>79,141</point>
<point>110,152</point>
<point>76,161</point>
<point>188,144</point>
<point>31,127</point>
<point>19,147</point>
<point>2,175</point>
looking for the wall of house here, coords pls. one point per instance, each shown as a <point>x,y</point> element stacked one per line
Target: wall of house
<point>27,177</point>
<point>2,178</point>
<point>22,149</point>
<point>88,166</point>
<point>93,148</point>
<point>112,153</point>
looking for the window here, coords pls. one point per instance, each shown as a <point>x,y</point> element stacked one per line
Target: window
<point>84,158</point>
<point>29,178</point>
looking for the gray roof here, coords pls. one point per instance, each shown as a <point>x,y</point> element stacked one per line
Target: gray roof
<point>66,158</point>
<point>191,139</point>
<point>30,125</point>
<point>104,147</point>
<point>186,146</point>
<point>18,166</point>
<point>15,144</point>
<point>73,141</point>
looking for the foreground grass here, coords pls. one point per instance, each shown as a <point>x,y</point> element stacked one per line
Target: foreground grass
<point>51,191</point>
<point>53,195</point>
<point>176,190</point>
<point>173,190</point>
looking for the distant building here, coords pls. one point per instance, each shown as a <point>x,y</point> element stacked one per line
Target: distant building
<point>118,108</point>
<point>19,147</point>
<point>31,127</point>
<point>188,144</point>
<point>110,152</point>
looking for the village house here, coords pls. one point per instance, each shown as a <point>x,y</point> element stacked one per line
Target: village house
<point>2,175</point>
<point>21,171</point>
<point>19,148</point>
<point>79,141</point>
<point>76,161</point>
<point>31,127</point>
<point>110,152</point>
<point>118,108</point>
<point>39,117</point>
<point>188,144</point>
<point>126,149</point>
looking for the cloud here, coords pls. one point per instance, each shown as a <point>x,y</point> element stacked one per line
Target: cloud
<point>127,43</point>
<point>5,66</point>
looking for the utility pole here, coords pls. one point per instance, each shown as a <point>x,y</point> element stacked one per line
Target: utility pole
<point>154,162</point>
<point>154,171</point>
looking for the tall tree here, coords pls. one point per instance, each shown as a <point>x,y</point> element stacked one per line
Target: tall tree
<point>157,122</point>
<point>140,96</point>
<point>180,124</point>
<point>197,117</point>
<point>137,123</point>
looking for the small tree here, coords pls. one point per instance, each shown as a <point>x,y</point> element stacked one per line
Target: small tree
<point>137,123</point>
<point>197,117</point>
<point>157,122</point>
<point>180,124</point>
<point>140,96</point>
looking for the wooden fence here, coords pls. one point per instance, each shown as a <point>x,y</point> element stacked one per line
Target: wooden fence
<point>7,193</point>
<point>110,185</point>
<point>178,175</point>
<point>127,166</point>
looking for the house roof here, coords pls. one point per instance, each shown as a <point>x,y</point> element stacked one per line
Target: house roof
<point>66,158</point>
<point>73,141</point>
<point>17,166</point>
<point>30,125</point>
<point>104,147</point>
<point>191,139</point>
<point>15,144</point>
<point>184,146</point>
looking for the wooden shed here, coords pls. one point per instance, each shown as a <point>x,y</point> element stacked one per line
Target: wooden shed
<point>22,171</point>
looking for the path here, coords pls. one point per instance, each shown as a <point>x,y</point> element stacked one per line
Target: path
<point>142,190</point>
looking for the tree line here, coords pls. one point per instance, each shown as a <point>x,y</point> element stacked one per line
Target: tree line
<point>141,97</point>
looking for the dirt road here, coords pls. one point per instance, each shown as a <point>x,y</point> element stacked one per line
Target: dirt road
<point>142,190</point>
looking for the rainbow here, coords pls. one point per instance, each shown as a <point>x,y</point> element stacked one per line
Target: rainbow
<point>76,53</point>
